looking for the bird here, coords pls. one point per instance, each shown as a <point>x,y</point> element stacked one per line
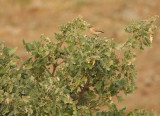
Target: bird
<point>94,31</point>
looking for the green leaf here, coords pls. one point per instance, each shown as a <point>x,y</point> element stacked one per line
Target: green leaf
<point>111,62</point>
<point>2,71</point>
<point>118,46</point>
<point>12,51</point>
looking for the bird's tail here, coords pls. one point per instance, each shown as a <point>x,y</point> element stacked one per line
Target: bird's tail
<point>101,31</point>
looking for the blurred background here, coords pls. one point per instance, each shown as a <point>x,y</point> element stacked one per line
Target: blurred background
<point>28,19</point>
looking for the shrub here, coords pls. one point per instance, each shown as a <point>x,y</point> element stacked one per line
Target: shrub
<point>72,74</point>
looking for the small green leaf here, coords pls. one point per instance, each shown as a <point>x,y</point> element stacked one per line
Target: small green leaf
<point>119,46</point>
<point>2,71</point>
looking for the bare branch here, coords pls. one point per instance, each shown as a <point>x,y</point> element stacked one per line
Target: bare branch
<point>83,89</point>
<point>55,67</point>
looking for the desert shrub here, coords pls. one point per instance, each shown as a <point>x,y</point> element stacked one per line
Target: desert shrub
<point>73,74</point>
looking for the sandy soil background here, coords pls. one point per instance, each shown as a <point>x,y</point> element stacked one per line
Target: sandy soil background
<point>28,19</point>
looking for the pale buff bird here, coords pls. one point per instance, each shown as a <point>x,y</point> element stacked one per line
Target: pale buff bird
<point>94,31</point>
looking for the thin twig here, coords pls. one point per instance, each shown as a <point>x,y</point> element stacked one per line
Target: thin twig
<point>48,71</point>
<point>61,62</point>
<point>55,67</point>
<point>121,49</point>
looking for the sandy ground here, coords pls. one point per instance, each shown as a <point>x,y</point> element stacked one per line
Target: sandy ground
<point>28,19</point>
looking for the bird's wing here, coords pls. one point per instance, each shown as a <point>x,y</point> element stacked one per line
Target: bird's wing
<point>99,31</point>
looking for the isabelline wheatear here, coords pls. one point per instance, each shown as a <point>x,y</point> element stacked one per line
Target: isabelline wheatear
<point>94,31</point>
